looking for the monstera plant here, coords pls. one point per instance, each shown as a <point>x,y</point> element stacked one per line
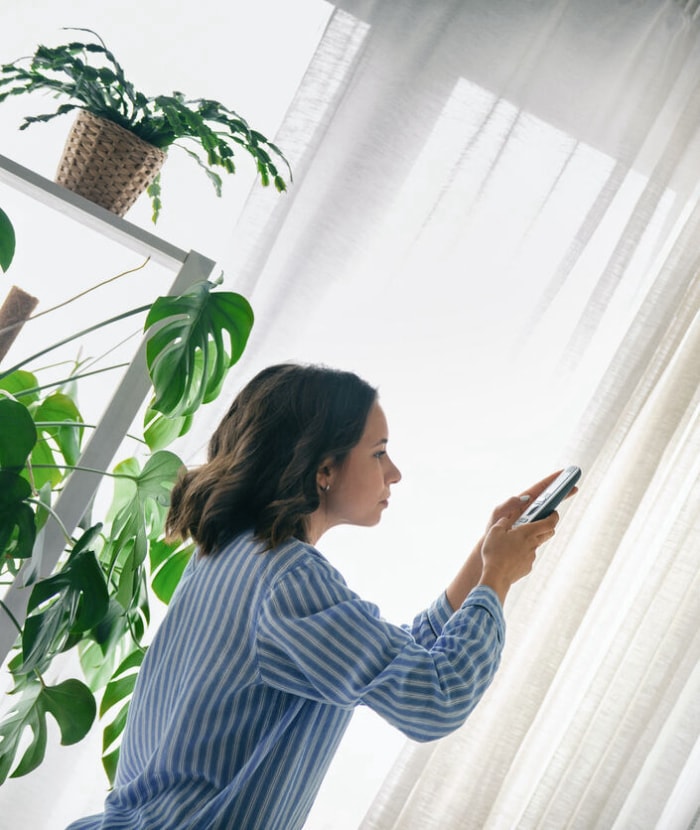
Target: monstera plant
<point>97,600</point>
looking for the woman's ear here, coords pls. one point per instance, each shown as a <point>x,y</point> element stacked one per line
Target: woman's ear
<point>324,474</point>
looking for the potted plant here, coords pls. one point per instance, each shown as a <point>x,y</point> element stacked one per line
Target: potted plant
<point>96,601</point>
<point>131,128</point>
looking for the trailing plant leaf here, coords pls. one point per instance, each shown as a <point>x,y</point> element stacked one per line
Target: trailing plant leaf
<point>7,241</point>
<point>70,703</point>
<point>193,329</point>
<point>153,191</point>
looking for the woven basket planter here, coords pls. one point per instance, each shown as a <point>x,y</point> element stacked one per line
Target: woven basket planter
<point>106,163</point>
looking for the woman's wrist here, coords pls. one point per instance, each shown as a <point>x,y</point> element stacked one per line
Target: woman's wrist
<point>496,582</point>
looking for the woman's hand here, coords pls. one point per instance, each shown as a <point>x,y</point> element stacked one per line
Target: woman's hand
<point>517,504</point>
<point>508,553</point>
<point>472,571</point>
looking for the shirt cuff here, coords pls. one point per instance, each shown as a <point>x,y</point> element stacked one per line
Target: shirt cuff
<point>487,598</point>
<point>439,613</point>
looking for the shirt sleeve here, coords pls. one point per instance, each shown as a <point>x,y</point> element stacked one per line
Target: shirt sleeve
<point>317,639</point>
<point>427,626</point>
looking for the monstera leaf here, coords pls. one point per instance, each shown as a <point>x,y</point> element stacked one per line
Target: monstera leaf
<point>72,601</point>
<point>159,431</point>
<point>72,705</point>
<point>137,514</point>
<point>187,355</point>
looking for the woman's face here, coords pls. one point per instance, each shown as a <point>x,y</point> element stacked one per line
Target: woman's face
<point>360,486</point>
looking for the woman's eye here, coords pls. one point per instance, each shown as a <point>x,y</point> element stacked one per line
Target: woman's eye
<point>380,453</point>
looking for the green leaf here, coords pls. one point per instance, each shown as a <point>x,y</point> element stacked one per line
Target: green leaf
<point>123,681</point>
<point>114,729</point>
<point>109,763</point>
<point>76,600</point>
<point>17,434</point>
<point>120,688</point>
<point>17,520</point>
<point>159,431</point>
<point>18,383</point>
<point>153,191</point>
<point>7,241</point>
<point>71,704</point>
<point>109,641</point>
<point>137,514</point>
<point>194,324</point>
<point>42,511</point>
<point>168,561</point>
<point>145,492</point>
<point>44,467</point>
<point>213,177</point>
<point>26,713</point>
<point>56,408</point>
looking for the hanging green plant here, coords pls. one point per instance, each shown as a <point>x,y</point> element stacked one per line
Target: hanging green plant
<point>91,78</point>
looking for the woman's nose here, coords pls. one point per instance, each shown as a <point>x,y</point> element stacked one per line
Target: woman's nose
<point>394,474</point>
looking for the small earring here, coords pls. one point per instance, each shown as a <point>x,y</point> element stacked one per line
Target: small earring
<point>326,488</point>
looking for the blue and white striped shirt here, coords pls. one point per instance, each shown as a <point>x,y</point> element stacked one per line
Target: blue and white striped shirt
<point>252,678</point>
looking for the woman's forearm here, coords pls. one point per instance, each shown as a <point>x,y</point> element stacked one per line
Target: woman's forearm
<point>467,578</point>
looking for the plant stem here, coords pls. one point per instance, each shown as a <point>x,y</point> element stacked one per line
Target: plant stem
<point>75,297</point>
<point>88,290</point>
<point>75,336</point>
<point>53,513</point>
<point>34,389</point>
<point>47,424</point>
<point>21,632</point>
<point>83,469</point>
<point>11,616</point>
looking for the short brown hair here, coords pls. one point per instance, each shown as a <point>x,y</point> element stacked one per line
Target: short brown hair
<point>264,455</point>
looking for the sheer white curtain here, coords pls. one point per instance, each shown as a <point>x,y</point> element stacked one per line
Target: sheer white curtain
<point>496,219</point>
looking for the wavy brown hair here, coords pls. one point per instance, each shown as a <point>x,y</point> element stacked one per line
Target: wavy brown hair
<point>263,458</point>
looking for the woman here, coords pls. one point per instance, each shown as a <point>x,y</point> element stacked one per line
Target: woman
<point>264,652</point>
